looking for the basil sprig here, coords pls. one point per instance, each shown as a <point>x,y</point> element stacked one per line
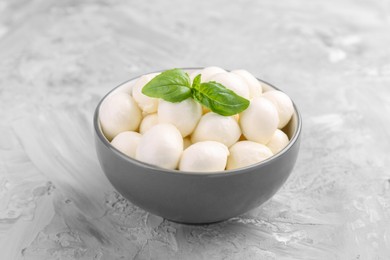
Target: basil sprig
<point>175,86</point>
<point>171,85</point>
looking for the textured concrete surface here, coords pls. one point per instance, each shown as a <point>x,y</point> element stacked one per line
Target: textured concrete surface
<point>57,59</point>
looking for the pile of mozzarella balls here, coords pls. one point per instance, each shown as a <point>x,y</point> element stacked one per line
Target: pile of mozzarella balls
<point>189,137</point>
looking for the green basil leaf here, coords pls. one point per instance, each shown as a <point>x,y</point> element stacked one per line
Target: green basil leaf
<point>172,85</point>
<point>219,99</point>
<point>196,81</point>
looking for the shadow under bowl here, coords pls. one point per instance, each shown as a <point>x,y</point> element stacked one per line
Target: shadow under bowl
<point>196,197</point>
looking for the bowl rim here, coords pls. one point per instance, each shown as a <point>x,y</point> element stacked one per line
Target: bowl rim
<point>217,174</point>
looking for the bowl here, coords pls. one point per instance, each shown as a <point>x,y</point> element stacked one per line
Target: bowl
<point>191,197</point>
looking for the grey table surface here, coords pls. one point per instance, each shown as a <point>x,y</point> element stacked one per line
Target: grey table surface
<point>58,58</point>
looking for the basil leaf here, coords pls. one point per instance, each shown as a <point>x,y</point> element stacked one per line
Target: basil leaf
<point>219,99</point>
<point>172,85</point>
<point>196,81</point>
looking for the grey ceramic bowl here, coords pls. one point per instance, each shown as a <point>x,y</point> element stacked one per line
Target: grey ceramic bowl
<point>192,197</point>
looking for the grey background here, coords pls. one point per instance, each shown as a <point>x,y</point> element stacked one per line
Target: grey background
<point>58,58</point>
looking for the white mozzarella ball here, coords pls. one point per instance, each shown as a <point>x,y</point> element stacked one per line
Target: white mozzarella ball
<point>127,142</point>
<point>246,153</point>
<point>214,127</point>
<point>260,120</point>
<point>278,141</point>
<point>254,86</point>
<point>148,122</point>
<point>208,72</point>
<point>146,103</point>
<point>126,87</point>
<point>161,145</point>
<point>232,82</point>
<point>118,113</point>
<point>184,115</point>
<point>207,156</point>
<point>283,104</point>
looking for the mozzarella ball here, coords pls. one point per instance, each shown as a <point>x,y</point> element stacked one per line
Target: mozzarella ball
<point>214,127</point>
<point>259,121</point>
<point>161,145</point>
<point>184,115</point>
<point>118,113</point>
<point>232,82</point>
<point>148,122</point>
<point>283,104</point>
<point>127,142</point>
<point>208,72</point>
<point>146,103</point>
<point>254,86</point>
<point>278,141</point>
<point>207,156</point>
<point>186,142</point>
<point>246,153</point>
<point>126,87</point>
